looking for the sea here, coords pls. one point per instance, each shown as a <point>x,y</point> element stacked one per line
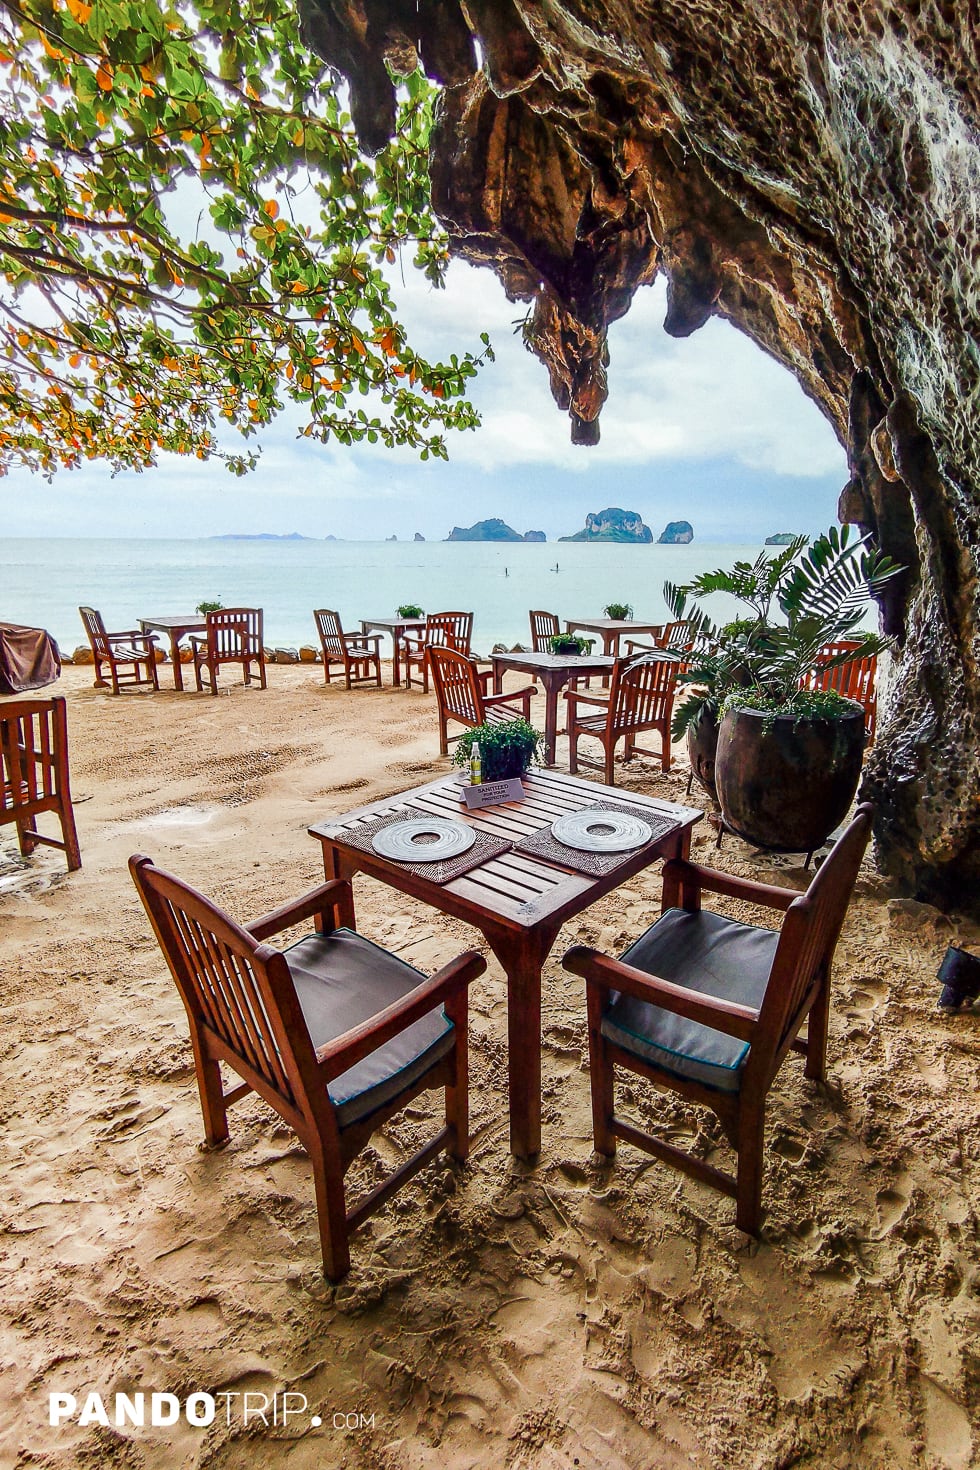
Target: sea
<point>43,582</point>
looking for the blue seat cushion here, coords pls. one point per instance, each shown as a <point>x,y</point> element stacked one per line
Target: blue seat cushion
<point>343,979</point>
<point>705,952</point>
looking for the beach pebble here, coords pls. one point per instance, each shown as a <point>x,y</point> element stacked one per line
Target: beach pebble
<point>507,1207</point>
<point>308,654</point>
<point>286,656</point>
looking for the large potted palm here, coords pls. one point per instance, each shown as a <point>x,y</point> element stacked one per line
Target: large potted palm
<point>787,759</point>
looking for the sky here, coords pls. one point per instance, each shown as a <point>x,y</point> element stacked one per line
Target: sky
<point>705,429</point>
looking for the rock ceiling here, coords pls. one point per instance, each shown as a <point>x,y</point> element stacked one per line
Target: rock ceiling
<point>811,173</point>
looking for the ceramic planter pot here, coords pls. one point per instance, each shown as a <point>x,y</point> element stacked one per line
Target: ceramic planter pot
<point>702,745</point>
<point>785,783</point>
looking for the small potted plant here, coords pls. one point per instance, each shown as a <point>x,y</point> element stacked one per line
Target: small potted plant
<point>205,607</point>
<point>569,643</point>
<point>784,757</point>
<point>621,611</point>
<point>506,750</point>
<point>410,610</point>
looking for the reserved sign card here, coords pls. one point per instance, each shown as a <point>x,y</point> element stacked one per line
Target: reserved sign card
<point>492,793</point>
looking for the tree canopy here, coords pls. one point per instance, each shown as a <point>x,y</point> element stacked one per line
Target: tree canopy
<point>189,235</point>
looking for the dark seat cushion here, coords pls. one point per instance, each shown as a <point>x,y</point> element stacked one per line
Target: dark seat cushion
<point>343,979</point>
<point>705,952</point>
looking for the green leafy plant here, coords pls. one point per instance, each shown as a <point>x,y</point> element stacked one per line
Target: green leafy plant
<point>618,610</point>
<point>506,749</point>
<point>206,607</point>
<point>410,610</point>
<point>799,600</point>
<point>569,643</point>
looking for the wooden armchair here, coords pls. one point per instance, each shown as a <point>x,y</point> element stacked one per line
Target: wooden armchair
<point>544,627</point>
<point>234,636</point>
<point>359,653</point>
<point>336,1034</point>
<point>448,629</point>
<point>708,1007</point>
<point>130,655</point>
<point>853,680</point>
<point>461,694</point>
<point>641,697</point>
<point>34,773</point>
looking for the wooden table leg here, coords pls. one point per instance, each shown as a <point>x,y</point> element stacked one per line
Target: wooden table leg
<point>498,678</point>
<point>551,688</point>
<point>523,960</point>
<point>175,660</point>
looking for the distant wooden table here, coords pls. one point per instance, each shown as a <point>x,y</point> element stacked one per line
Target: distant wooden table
<point>554,670</point>
<point>176,629</point>
<point>610,630</point>
<point>397,627</point>
<point>516,901</point>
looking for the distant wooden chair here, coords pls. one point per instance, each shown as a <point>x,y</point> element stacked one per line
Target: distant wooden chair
<point>640,698</point>
<point>461,694</point>
<point>854,680</point>
<point>448,629</point>
<point>234,636</point>
<point>359,653</point>
<point>708,1007</point>
<point>130,656</point>
<point>677,637</point>
<point>544,627</point>
<point>34,774</point>
<point>336,1034</point>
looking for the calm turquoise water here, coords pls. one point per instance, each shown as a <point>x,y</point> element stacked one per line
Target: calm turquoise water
<point>42,582</point>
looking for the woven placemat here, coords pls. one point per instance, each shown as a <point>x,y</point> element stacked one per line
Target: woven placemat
<point>543,844</point>
<point>445,870</point>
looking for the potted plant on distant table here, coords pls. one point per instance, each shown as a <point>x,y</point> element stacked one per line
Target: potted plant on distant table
<point>621,611</point>
<point>205,607</point>
<point>410,610</point>
<point>788,758</point>
<point>570,643</point>
<point>506,750</point>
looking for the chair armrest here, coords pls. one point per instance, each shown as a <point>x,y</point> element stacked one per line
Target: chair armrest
<point>605,973</point>
<point>575,696</point>
<point>495,699</point>
<point>362,638</point>
<point>687,874</point>
<point>632,644</point>
<point>131,636</point>
<point>336,896</point>
<point>344,1051</point>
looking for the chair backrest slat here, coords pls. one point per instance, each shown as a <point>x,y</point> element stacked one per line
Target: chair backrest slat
<point>852,680</point>
<point>330,629</point>
<point>450,630</point>
<point>544,626</point>
<point>676,636</point>
<point>33,737</point>
<point>234,633</point>
<point>642,694</point>
<point>96,630</point>
<point>457,687</point>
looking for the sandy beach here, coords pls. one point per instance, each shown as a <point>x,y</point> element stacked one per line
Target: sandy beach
<point>567,1314</point>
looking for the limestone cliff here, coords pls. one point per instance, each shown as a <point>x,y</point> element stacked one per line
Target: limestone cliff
<point>612,524</point>
<point>676,533</point>
<point>811,174</point>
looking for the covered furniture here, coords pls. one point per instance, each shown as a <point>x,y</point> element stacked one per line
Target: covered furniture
<point>29,658</point>
<point>460,694</point>
<point>640,698</point>
<point>852,680</point>
<point>450,629</point>
<point>336,1034</point>
<point>358,653</point>
<point>131,656</point>
<point>544,627</point>
<point>233,636</point>
<point>708,1007</point>
<point>34,773</point>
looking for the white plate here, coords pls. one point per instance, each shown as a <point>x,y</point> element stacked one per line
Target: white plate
<point>424,840</point>
<point>595,830</point>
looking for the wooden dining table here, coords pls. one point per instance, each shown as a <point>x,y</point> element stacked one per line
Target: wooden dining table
<point>553,671</point>
<point>517,901</point>
<point>397,627</point>
<point>611,630</point>
<point>175,628</point>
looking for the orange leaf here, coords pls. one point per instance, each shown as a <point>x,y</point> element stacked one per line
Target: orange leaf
<point>271,208</point>
<point>358,345</point>
<point>104,77</point>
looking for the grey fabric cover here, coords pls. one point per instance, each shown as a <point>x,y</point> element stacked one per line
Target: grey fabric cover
<point>705,952</point>
<point>343,979</point>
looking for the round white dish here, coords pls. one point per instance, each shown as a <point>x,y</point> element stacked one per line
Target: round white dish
<point>424,840</point>
<point>595,830</point>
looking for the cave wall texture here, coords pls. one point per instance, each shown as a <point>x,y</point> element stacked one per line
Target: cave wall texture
<point>811,173</point>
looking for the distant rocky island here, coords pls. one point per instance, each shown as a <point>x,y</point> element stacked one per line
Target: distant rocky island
<point>264,536</point>
<point>781,538</point>
<point>493,529</point>
<point>676,533</point>
<point>613,524</point>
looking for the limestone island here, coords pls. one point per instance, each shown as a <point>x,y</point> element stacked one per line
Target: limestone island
<point>676,533</point>
<point>262,536</point>
<point>493,529</point>
<point>781,538</point>
<point>613,524</point>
